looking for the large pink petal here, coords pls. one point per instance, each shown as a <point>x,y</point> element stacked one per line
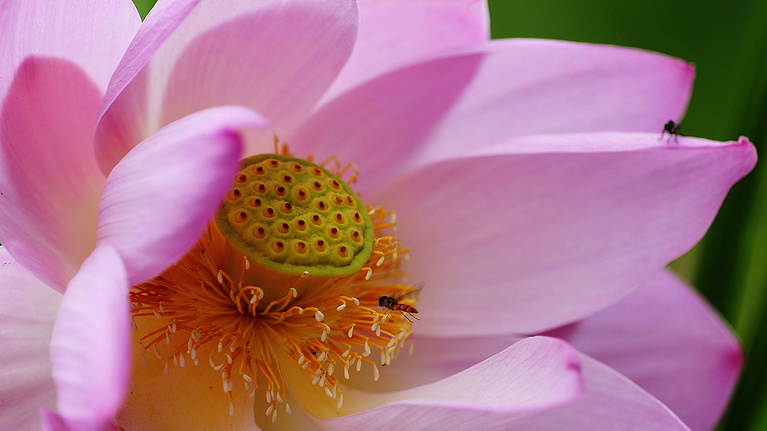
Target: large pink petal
<point>272,56</point>
<point>455,104</point>
<point>610,401</point>
<point>381,125</point>
<point>544,231</point>
<point>424,28</point>
<point>56,61</point>
<point>90,349</point>
<point>159,198</point>
<point>531,376</point>
<point>49,180</point>
<point>668,340</point>
<point>27,312</point>
<point>528,86</point>
<point>93,34</point>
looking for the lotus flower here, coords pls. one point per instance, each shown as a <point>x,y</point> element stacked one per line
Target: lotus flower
<point>533,198</point>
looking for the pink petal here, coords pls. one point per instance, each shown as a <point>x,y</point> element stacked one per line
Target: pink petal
<point>46,165</point>
<point>280,70</point>
<point>91,34</point>
<point>126,104</point>
<point>56,61</point>
<point>424,28</point>
<point>27,312</point>
<point>533,375</point>
<point>90,349</point>
<point>433,359</point>
<point>610,401</point>
<point>528,86</point>
<point>159,198</point>
<point>460,102</point>
<point>668,340</point>
<point>381,125</point>
<point>518,241</point>
<point>52,421</point>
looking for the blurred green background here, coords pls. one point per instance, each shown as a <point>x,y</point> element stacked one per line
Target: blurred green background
<point>727,41</point>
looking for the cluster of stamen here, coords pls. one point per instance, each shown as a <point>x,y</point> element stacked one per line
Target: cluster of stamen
<point>329,330</point>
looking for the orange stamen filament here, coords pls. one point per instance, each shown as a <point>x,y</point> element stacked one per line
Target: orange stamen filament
<point>330,328</point>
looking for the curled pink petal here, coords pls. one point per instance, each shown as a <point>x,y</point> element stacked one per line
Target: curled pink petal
<point>530,377</point>
<point>27,312</point>
<point>425,28</point>
<point>609,401</point>
<point>90,348</point>
<point>668,340</point>
<point>523,242</point>
<point>159,198</point>
<point>46,164</point>
<point>435,358</point>
<point>124,113</point>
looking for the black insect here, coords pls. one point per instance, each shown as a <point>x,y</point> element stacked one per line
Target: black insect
<point>672,128</point>
<point>393,304</point>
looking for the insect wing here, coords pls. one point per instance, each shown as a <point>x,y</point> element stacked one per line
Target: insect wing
<point>412,293</point>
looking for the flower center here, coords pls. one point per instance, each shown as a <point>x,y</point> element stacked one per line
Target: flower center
<point>294,268</point>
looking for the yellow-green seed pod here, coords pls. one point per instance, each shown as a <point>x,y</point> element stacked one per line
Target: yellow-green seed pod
<point>291,216</point>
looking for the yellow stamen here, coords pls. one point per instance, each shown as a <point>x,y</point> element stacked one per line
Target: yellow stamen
<point>323,323</point>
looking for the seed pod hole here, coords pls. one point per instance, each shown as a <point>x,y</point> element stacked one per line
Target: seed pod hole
<point>286,208</point>
<point>278,246</point>
<point>259,232</point>
<point>234,194</point>
<point>300,194</point>
<point>300,247</point>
